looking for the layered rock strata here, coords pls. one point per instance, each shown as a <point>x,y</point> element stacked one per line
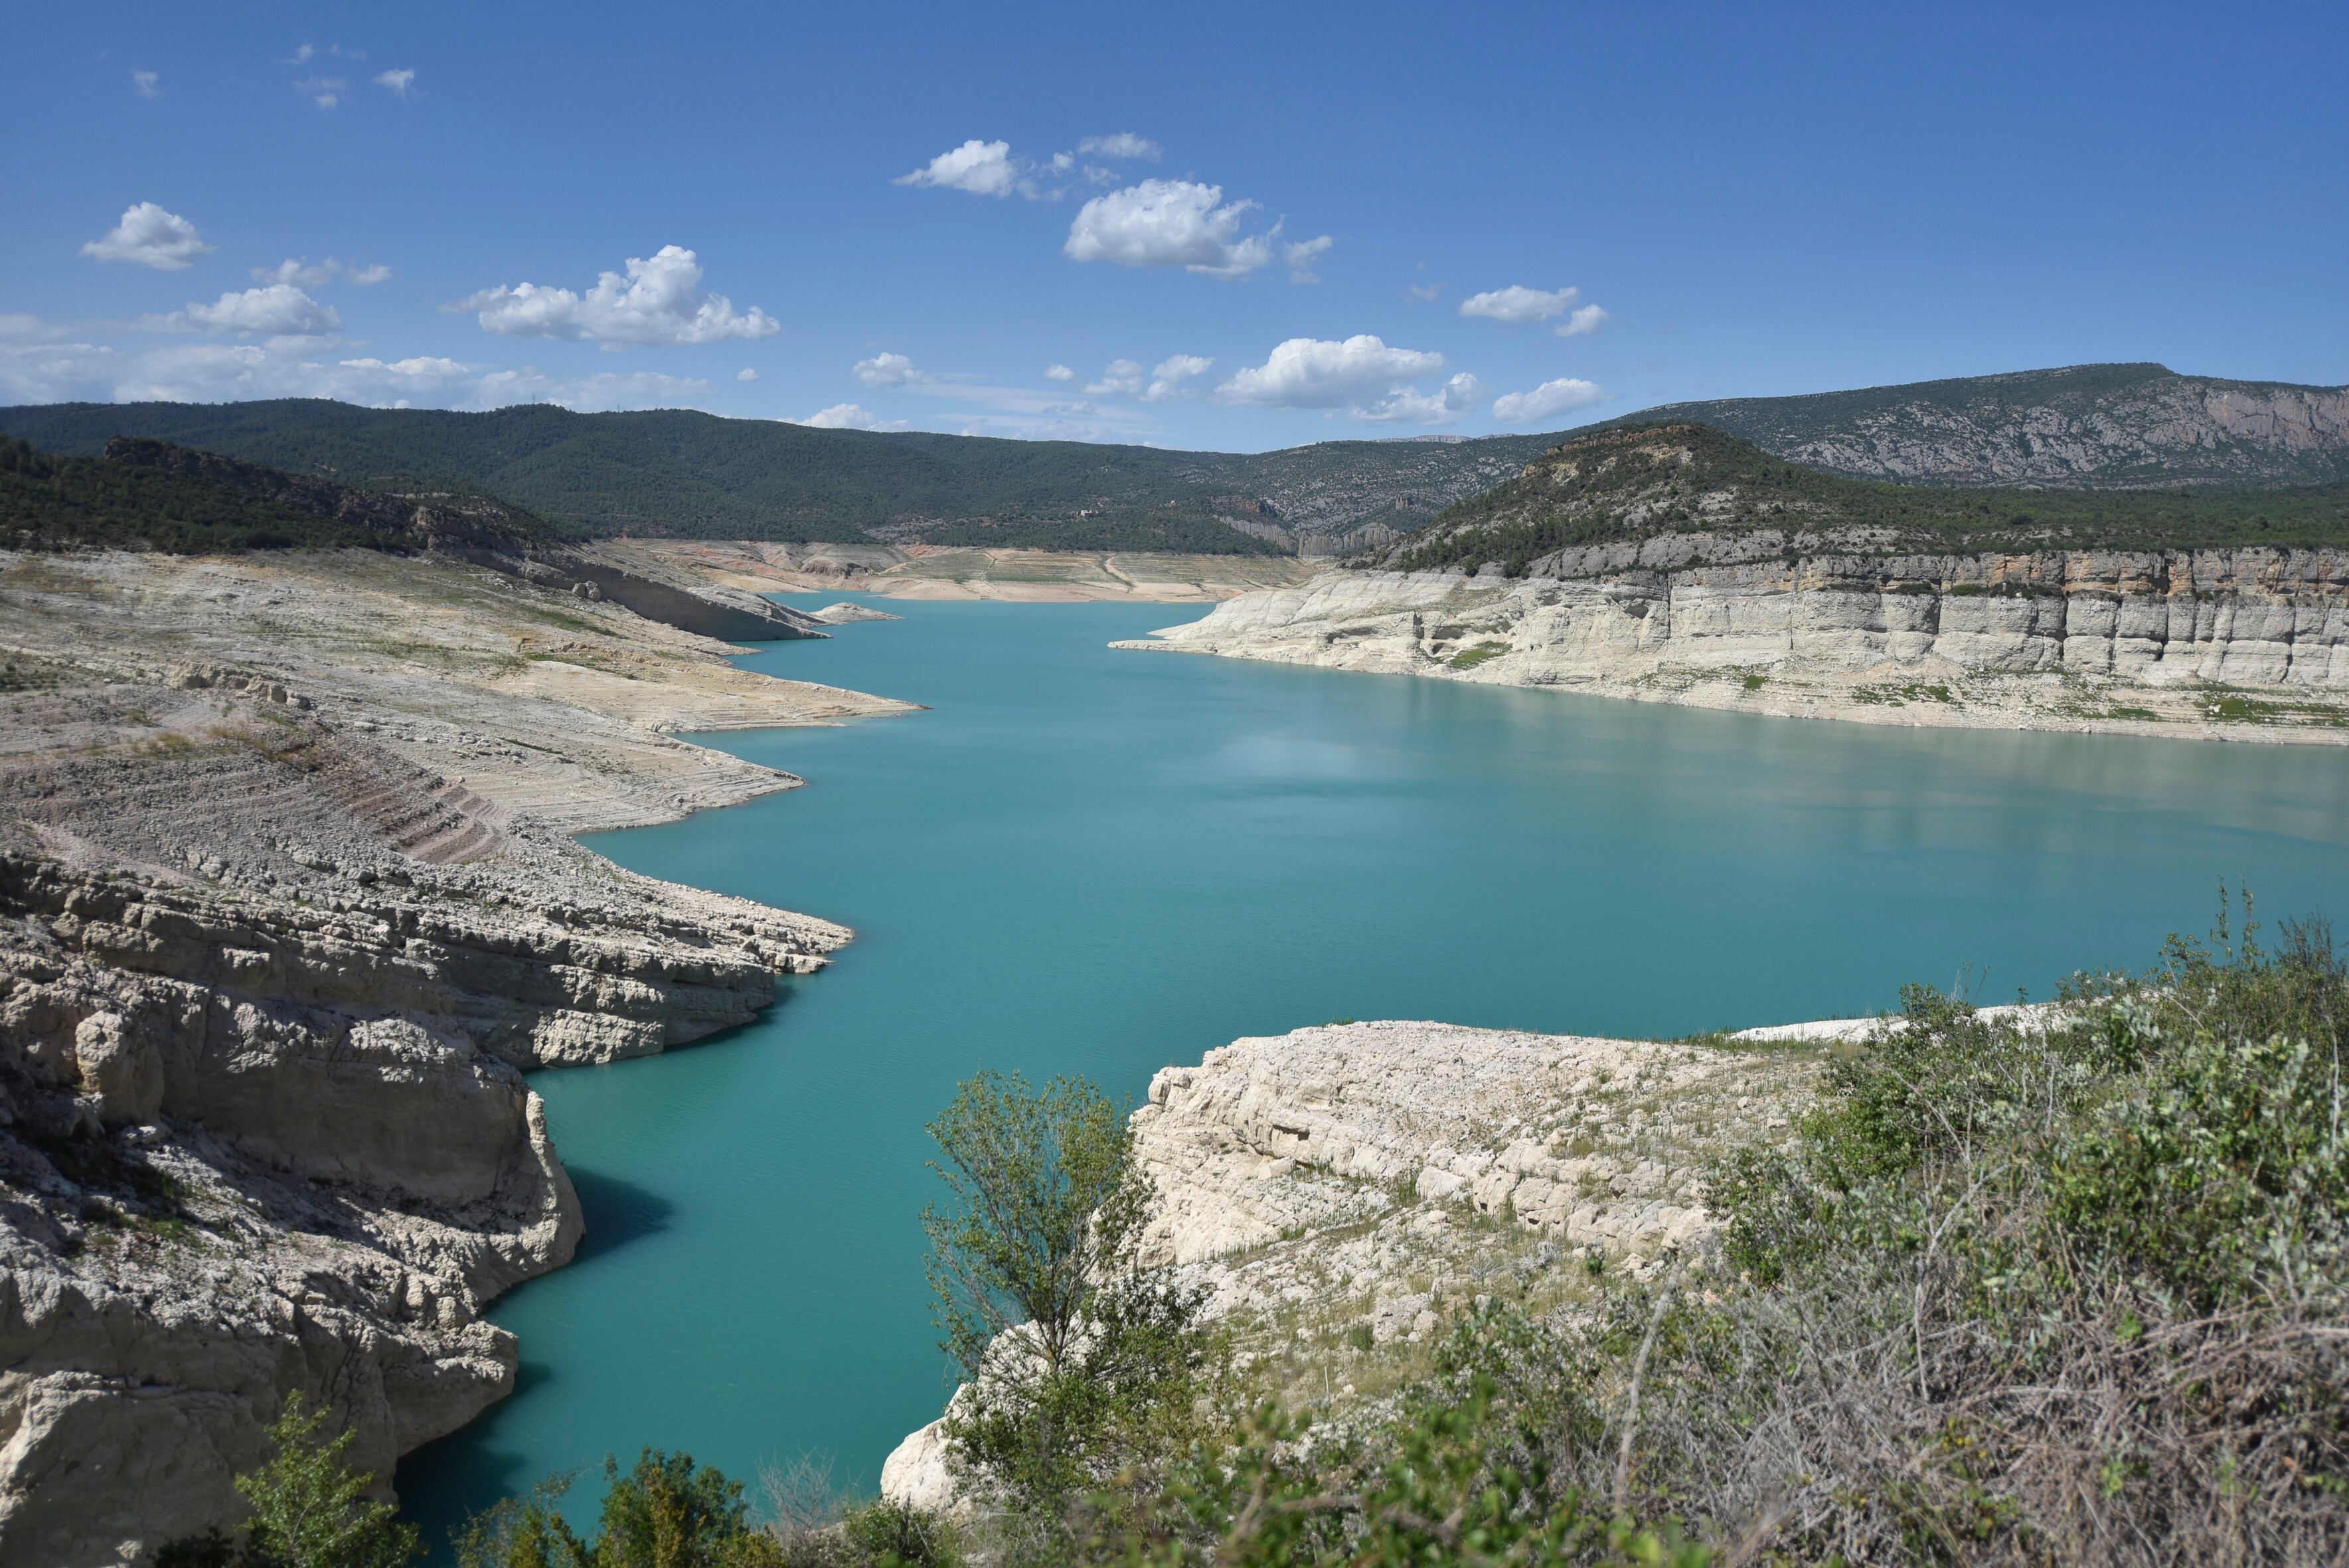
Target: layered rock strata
<point>2153,643</point>
<point>1341,1191</point>
<point>271,967</point>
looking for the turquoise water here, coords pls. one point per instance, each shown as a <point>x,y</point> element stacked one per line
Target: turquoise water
<point>1103,863</point>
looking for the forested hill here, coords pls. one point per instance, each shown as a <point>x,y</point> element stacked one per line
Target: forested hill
<point>143,494</point>
<point>2090,426</point>
<point>1730,501</point>
<point>681,473</point>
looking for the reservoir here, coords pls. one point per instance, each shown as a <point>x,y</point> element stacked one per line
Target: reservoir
<point>1082,861</point>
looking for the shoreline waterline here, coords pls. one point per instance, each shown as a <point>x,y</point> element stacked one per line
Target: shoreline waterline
<point>1079,861</point>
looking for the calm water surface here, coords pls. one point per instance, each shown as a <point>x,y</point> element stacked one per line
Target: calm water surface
<point>1082,860</point>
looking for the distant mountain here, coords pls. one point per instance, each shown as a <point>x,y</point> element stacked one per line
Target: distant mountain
<point>681,473</point>
<point>1676,493</point>
<point>2118,425</point>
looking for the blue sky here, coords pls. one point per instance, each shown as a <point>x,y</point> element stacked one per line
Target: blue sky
<point>1755,200</point>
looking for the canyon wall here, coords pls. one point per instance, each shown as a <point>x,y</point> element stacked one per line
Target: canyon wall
<point>1657,620</point>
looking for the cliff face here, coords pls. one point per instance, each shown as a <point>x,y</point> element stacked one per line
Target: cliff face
<point>2117,426</point>
<point>269,977</point>
<point>2056,638</point>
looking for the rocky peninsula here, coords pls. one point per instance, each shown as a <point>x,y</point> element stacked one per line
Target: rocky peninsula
<point>287,905</point>
<point>2236,644</point>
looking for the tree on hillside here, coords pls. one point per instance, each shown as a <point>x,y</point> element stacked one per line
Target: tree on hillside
<point>309,1509</point>
<point>1078,1359</point>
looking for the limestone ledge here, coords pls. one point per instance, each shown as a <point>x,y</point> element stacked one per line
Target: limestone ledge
<point>1341,1191</point>
<point>2151,643</point>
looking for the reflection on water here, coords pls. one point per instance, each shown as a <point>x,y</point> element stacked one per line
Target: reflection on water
<point>1105,862</point>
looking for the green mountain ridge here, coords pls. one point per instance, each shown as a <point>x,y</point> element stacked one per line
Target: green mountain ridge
<point>685,474</point>
<point>2085,426</point>
<point>1591,501</point>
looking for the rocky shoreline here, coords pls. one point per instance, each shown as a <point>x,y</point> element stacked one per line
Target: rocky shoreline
<point>2234,644</point>
<point>287,905</point>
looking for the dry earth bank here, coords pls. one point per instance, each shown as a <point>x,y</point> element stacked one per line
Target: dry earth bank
<point>933,571</point>
<point>2236,644</point>
<point>286,903</point>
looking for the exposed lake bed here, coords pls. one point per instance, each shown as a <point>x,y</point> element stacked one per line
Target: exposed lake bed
<point>1081,861</point>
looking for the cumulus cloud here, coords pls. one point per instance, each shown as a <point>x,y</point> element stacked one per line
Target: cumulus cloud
<point>399,81</point>
<point>324,91</point>
<point>981,168</point>
<point>273,310</point>
<point>297,270</point>
<point>151,237</point>
<point>1166,380</point>
<point>1168,223</point>
<point>847,417</point>
<point>281,367</point>
<point>1120,377</point>
<point>1582,323</point>
<point>1301,256</point>
<point>1124,145</point>
<point>1461,395</point>
<point>746,373</point>
<point>144,83</point>
<point>1518,305</point>
<point>1545,401</point>
<point>659,301</point>
<point>1059,372</point>
<point>887,370</point>
<point>1321,373</point>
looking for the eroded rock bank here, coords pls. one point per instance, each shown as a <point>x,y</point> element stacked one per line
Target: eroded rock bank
<point>2249,643</point>
<point>1341,1192</point>
<point>286,906</point>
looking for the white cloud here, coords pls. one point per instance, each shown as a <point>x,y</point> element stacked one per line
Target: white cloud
<point>746,373</point>
<point>1545,401</point>
<point>324,91</point>
<point>1301,256</point>
<point>151,237</point>
<point>1166,380</point>
<point>887,370</point>
<point>399,81</point>
<point>1583,322</point>
<point>1460,396</point>
<point>1518,305</point>
<point>297,270</point>
<point>660,302</point>
<point>1166,224</point>
<point>981,168</point>
<point>1124,144</point>
<point>144,84</point>
<point>1120,377</point>
<point>1425,291</point>
<point>282,368</point>
<point>847,417</point>
<point>1319,373</point>
<point>1059,372</point>
<point>273,310</point>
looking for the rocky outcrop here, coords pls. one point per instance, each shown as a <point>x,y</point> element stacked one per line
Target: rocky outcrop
<point>269,977</point>
<point>2121,426</point>
<point>1339,1193</point>
<point>2054,639</point>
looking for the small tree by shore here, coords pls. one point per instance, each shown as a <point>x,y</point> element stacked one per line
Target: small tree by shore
<point>1079,1361</point>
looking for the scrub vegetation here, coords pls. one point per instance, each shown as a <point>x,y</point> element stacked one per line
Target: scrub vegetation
<point>2066,1290</point>
<point>1628,484</point>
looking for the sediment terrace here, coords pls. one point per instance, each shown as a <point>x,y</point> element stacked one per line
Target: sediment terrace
<point>287,904</point>
<point>2244,644</point>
